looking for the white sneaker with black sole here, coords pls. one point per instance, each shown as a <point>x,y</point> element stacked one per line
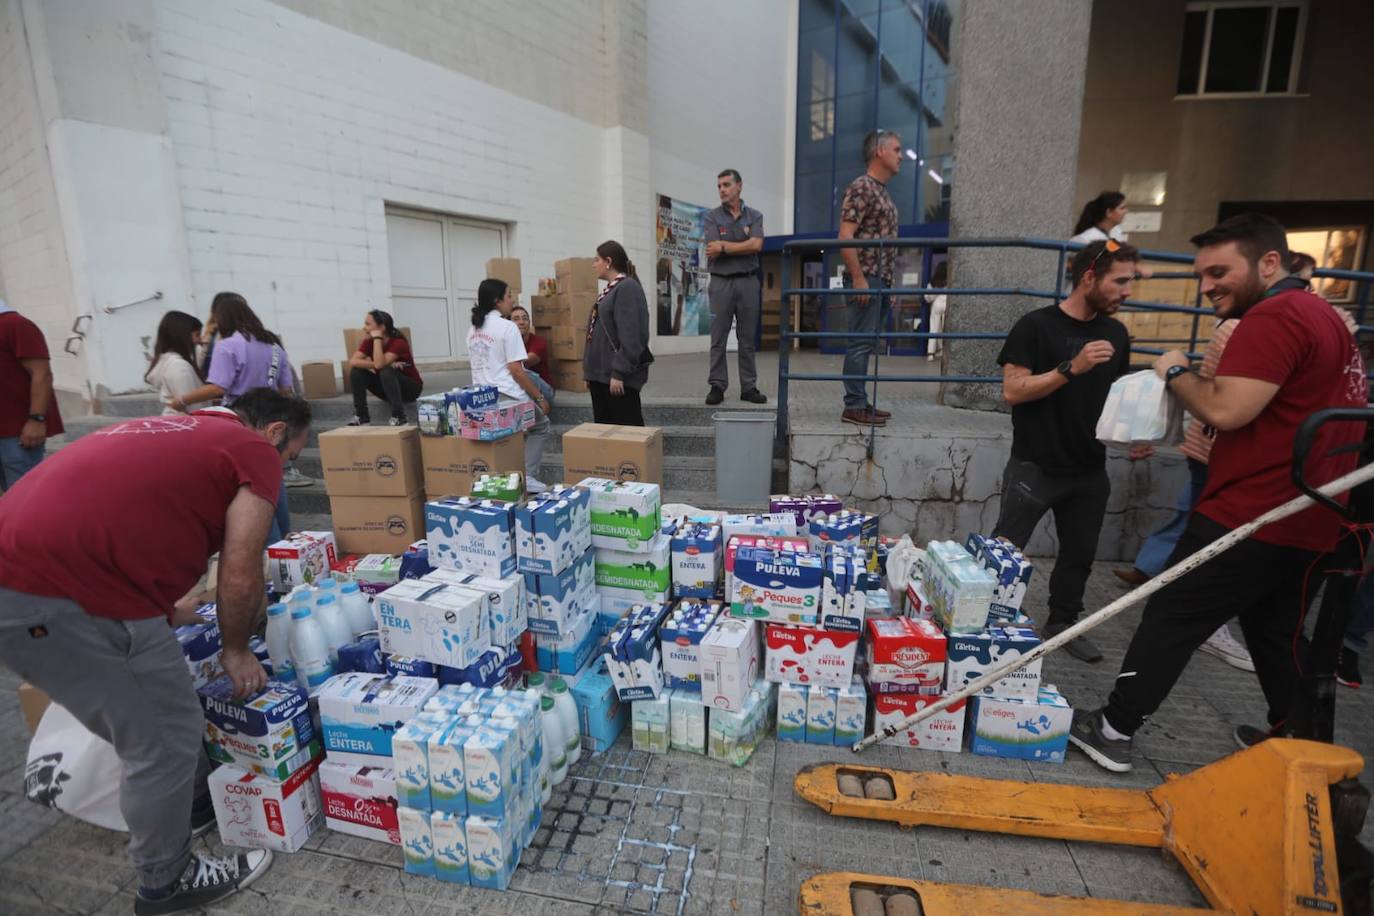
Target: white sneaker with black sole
<point>206,879</point>
<point>1229,649</point>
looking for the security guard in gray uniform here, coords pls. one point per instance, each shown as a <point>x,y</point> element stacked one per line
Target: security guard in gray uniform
<point>734,238</point>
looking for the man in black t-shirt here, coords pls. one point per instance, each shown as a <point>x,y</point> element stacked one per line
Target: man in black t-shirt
<point>1058,363</point>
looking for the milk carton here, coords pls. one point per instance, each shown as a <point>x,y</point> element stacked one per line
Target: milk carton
<point>792,712</point>
<point>432,414</point>
<point>555,600</point>
<point>410,666</point>
<point>453,698</point>
<point>444,624</point>
<point>729,655</point>
<point>447,749</point>
<point>450,835</point>
<point>503,602</point>
<point>1022,728</point>
<point>820,715</point>
<point>905,652</point>
<point>200,645</point>
<point>971,655</point>
<point>1011,572</point>
<point>363,655</point>
<point>777,586</point>
<point>843,599</point>
<point>360,713</point>
<point>960,590</point>
<point>649,723</point>
<point>680,634</point>
<point>270,734</point>
<point>255,812</point>
<point>632,653</point>
<point>698,557</point>
<point>602,717</point>
<point>417,841</point>
<point>615,603</point>
<point>843,527</point>
<point>805,506</point>
<point>943,731</point>
<point>735,544</point>
<point>492,852</point>
<point>473,397</point>
<point>553,530</point>
<point>488,424</point>
<point>475,536</point>
<point>774,524</point>
<point>687,722</point>
<point>300,559</point>
<point>410,759</point>
<point>878,603</point>
<point>625,514</point>
<point>918,606</point>
<point>851,713</point>
<point>360,801</point>
<point>734,736</point>
<point>647,570</point>
<point>801,655</point>
<point>490,758</point>
<point>505,487</point>
<point>569,652</point>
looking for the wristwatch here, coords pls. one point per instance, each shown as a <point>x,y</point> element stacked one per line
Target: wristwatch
<point>40,417</point>
<point>1066,368</point>
<point>1174,372</point>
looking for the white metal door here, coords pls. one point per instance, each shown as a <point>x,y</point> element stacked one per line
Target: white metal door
<point>470,245</point>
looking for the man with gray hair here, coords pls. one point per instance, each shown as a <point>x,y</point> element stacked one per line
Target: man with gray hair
<point>868,213</point>
<point>734,238</point>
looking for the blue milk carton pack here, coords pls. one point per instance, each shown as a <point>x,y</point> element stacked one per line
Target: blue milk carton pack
<point>615,603</point>
<point>492,852</point>
<point>625,514</point>
<point>632,653</point>
<point>359,714</point>
<point>555,600</point>
<point>450,836</point>
<point>843,601</point>
<point>851,713</point>
<point>553,530</point>
<point>843,527</point>
<point>364,655</point>
<point>432,412</point>
<point>601,714</point>
<point>569,652</point>
<point>503,601</point>
<point>270,734</point>
<point>777,586</point>
<point>971,655</point>
<point>410,666</point>
<point>444,624</point>
<point>490,758</point>
<point>475,536</point>
<point>1022,728</point>
<point>820,714</point>
<point>792,712</point>
<point>448,787</point>
<point>473,397</point>
<point>417,842</point>
<point>1010,570</point>
<point>453,698</point>
<point>680,634</point>
<point>698,560</point>
<point>410,759</point>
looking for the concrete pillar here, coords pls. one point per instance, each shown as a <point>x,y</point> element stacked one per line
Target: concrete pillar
<point>1019,107</point>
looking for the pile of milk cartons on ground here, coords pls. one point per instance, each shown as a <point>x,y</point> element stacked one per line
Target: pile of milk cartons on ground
<point>475,412</point>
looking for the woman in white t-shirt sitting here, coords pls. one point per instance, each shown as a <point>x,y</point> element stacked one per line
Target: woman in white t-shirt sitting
<point>497,354</point>
<point>1101,219</point>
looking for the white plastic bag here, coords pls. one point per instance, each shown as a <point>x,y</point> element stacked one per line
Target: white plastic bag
<point>902,561</point>
<point>72,770</point>
<point>1140,411</point>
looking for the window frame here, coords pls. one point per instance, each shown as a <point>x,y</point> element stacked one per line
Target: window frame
<point>1209,7</point>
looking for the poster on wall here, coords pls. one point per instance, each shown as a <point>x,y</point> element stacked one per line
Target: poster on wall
<point>681,277</point>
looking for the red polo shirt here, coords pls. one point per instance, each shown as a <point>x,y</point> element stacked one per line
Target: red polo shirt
<point>20,339</point>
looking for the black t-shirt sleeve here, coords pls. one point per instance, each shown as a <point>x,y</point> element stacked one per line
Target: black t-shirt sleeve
<point>1123,351</point>
<point>1020,346</point>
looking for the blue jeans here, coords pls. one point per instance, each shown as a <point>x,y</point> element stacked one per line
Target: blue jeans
<point>281,518</point>
<point>537,436</point>
<point>866,319</point>
<point>1154,553</point>
<point>16,461</point>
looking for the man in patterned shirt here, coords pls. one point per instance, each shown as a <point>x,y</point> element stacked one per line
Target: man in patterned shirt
<point>868,213</point>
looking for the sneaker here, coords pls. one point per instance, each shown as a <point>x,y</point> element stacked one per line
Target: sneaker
<point>1348,668</point>
<point>202,817</point>
<point>294,478</point>
<point>360,421</point>
<point>534,485</point>
<point>860,416</point>
<point>1249,736</point>
<point>1229,649</point>
<point>715,395</point>
<point>206,880</point>
<point>1079,647</point>
<point>880,414</point>
<point>1132,577</point>
<point>1109,753</point>
<point>397,421</point>
<point>754,396</point>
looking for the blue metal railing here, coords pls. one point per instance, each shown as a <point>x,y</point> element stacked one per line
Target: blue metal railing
<point>1362,280</point>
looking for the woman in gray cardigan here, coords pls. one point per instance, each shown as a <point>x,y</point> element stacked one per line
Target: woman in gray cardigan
<point>616,361</point>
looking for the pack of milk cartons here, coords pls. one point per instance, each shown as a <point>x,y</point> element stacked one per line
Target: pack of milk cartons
<point>256,812</point>
<point>503,601</point>
<point>844,601</point>
<point>507,418</point>
<point>650,723</point>
<point>687,722</point>
<point>777,586</point>
<point>960,589</point>
<point>680,634</point>
<point>805,506</point>
<point>733,545</point>
<point>439,622</point>
<point>625,514</point>
<point>201,645</point>
<point>805,655</point>
<point>553,530</point>
<point>360,800</point>
<point>698,557</point>
<point>1023,728</point>
<point>772,524</point>
<point>1011,572</point>
<point>410,758</point>
<point>944,731</point>
<point>729,658</point>
<point>568,652</point>
<point>359,714</point>
<point>475,536</point>
<point>906,655</point>
<point>555,601</point>
<point>505,487</point>
<point>299,559</point>
<point>734,735</point>
<point>645,572</point>
<point>633,657</point>
<point>971,655</point>
<point>601,715</point>
<point>844,527</point>
<point>270,733</point>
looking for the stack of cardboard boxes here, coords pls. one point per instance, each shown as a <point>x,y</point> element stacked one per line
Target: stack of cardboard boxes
<point>376,487</point>
<point>560,315</point>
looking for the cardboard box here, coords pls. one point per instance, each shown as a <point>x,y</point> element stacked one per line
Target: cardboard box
<point>34,703</point>
<point>729,656</point>
<point>971,655</point>
<point>632,653</point>
<point>255,812</point>
<point>568,375</point>
<point>798,655</point>
<point>649,572</point>
<point>371,461</point>
<point>906,652</point>
<point>680,636</point>
<point>359,714</point>
<point>574,310</point>
<point>507,269</point>
<point>575,275</point>
<point>270,734</point>
<point>317,379</point>
<point>360,800</point>
<point>943,731</point>
<point>613,452</point>
<point>476,536</point>
<point>450,463</point>
<point>542,308</point>
<point>599,710</point>
<point>378,524</point>
<point>300,559</point>
<point>568,342</point>
<point>777,586</point>
<point>1022,728</point>
<point>440,623</point>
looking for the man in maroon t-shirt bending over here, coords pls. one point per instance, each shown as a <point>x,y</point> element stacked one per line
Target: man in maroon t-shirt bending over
<point>1290,356</point>
<point>97,544</point>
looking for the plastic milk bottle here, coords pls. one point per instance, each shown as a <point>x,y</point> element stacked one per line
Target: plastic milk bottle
<point>337,632</point>
<point>555,741</point>
<point>567,714</point>
<point>309,649</point>
<point>279,642</point>
<point>357,609</point>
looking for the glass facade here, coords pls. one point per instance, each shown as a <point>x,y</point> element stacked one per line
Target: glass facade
<point>867,64</point>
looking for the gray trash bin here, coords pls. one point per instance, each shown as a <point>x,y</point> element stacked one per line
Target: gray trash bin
<point>744,458</point>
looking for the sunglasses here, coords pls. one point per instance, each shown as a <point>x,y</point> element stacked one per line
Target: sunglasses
<point>1112,246</point>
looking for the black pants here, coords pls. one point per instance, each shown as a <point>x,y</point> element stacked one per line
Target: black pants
<point>1262,584</point>
<point>391,385</point>
<point>1078,504</point>
<point>622,410</point>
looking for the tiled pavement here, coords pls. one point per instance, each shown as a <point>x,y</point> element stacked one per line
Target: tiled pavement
<point>679,834</point>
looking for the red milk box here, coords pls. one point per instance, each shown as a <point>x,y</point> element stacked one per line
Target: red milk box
<point>943,731</point>
<point>906,652</point>
<point>360,800</point>
<point>802,655</point>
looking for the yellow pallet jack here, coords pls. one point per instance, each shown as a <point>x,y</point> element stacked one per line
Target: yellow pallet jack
<point>1259,832</point>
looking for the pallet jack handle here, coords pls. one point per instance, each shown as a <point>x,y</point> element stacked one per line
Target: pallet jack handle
<point>1302,446</point>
